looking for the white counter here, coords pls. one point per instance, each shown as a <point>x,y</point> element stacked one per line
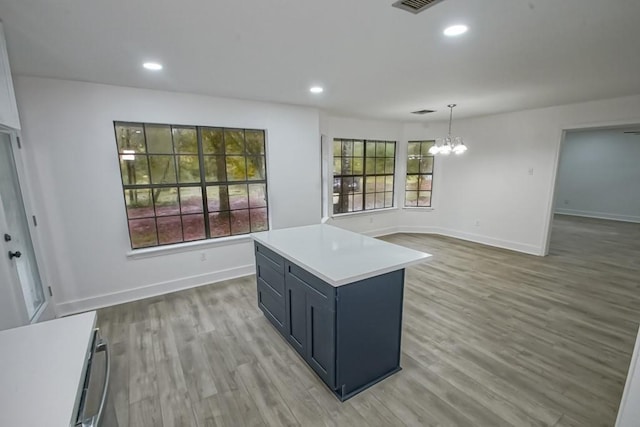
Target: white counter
<point>42,370</point>
<point>338,256</point>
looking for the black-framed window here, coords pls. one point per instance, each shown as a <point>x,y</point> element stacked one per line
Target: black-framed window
<point>419,174</point>
<point>186,183</point>
<point>363,173</point>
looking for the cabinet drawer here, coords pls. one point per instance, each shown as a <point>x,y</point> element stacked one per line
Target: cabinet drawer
<point>271,257</point>
<point>310,280</point>
<point>271,304</point>
<point>268,272</point>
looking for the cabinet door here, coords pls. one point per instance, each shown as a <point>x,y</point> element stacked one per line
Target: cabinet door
<point>295,308</point>
<point>321,336</point>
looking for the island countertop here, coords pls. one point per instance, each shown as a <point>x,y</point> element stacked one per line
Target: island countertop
<point>338,256</point>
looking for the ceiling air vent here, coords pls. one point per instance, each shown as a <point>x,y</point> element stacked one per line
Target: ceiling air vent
<point>415,6</point>
<point>421,112</point>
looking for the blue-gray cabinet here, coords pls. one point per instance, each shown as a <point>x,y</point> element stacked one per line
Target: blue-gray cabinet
<point>349,335</point>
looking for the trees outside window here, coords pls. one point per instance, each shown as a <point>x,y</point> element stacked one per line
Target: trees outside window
<point>363,175</point>
<point>186,183</point>
<point>419,174</point>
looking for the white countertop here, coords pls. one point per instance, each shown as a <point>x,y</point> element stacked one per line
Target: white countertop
<point>338,256</point>
<point>42,370</point>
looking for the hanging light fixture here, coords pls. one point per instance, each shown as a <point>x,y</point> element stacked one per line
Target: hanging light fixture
<point>449,143</point>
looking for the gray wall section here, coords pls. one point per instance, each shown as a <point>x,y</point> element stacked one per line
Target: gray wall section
<point>599,175</point>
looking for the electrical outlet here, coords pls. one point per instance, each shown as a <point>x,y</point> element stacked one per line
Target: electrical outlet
<point>477,223</point>
<point>370,220</point>
<point>203,256</point>
<point>530,171</point>
<point>566,201</point>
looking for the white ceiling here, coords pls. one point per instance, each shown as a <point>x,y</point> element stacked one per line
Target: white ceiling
<point>372,59</point>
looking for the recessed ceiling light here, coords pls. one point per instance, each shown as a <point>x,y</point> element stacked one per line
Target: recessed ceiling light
<point>455,30</point>
<point>153,66</point>
<point>316,89</point>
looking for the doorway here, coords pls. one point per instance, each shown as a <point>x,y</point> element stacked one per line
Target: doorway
<point>22,297</point>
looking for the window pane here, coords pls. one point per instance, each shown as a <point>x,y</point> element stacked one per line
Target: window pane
<point>413,165</point>
<point>411,198</point>
<point>139,203</point>
<point>130,137</point>
<point>426,145</point>
<point>240,222</point>
<point>134,169</point>
<point>390,149</point>
<point>388,165</point>
<point>426,165</point>
<point>163,169</point>
<point>425,183</point>
<point>357,184</point>
<point>412,182</point>
<point>380,182</point>
<point>370,149</point>
<point>337,147</point>
<point>255,142</point>
<point>370,201</point>
<point>143,233</point>
<point>337,166</point>
<point>380,149</point>
<point>234,141</point>
<point>166,201</point>
<point>238,196</point>
<point>379,200</point>
<point>219,224</point>
<point>370,184</point>
<point>169,230</point>
<point>259,220</point>
<point>347,148</point>
<point>413,149</point>
<point>188,169</point>
<point>388,200</point>
<point>347,166</point>
<point>255,168</point>
<point>355,202</point>
<point>159,139</point>
<point>424,199</point>
<point>212,141</point>
<point>358,148</point>
<point>217,198</point>
<point>380,165</point>
<point>358,166</point>
<point>190,200</point>
<point>236,168</point>
<point>215,169</point>
<point>388,186</point>
<point>370,166</point>
<point>347,185</point>
<point>257,195</point>
<point>185,140</point>
<point>337,185</point>
<point>193,227</point>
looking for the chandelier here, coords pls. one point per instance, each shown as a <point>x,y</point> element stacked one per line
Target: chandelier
<point>449,143</point>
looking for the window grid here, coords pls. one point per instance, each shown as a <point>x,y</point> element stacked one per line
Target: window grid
<point>419,182</point>
<point>183,220</point>
<point>363,175</point>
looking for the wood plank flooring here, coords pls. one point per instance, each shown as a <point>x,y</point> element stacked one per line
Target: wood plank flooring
<point>490,338</point>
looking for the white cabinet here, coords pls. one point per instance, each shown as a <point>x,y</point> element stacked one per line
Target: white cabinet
<point>8,107</point>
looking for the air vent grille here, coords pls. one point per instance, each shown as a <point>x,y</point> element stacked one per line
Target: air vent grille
<point>415,6</point>
<point>421,112</point>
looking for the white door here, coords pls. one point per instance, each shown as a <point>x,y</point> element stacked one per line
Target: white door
<point>22,298</point>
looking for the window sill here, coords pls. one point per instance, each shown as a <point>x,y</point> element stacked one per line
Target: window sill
<point>187,247</point>
<point>418,208</point>
<point>373,211</point>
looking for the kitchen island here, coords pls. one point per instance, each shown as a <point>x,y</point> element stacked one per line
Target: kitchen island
<point>336,297</point>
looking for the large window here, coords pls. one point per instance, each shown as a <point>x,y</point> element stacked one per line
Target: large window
<point>362,175</point>
<point>419,174</point>
<point>186,183</point>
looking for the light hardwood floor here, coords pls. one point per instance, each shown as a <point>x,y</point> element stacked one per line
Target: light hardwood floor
<point>490,338</point>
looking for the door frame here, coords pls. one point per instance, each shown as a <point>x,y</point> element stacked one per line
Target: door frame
<point>47,309</point>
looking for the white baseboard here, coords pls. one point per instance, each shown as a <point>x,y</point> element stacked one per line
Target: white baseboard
<point>161,288</point>
<point>380,232</point>
<point>599,215</point>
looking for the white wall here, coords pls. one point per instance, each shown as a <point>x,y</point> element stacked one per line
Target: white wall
<point>599,174</point>
<point>79,192</point>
